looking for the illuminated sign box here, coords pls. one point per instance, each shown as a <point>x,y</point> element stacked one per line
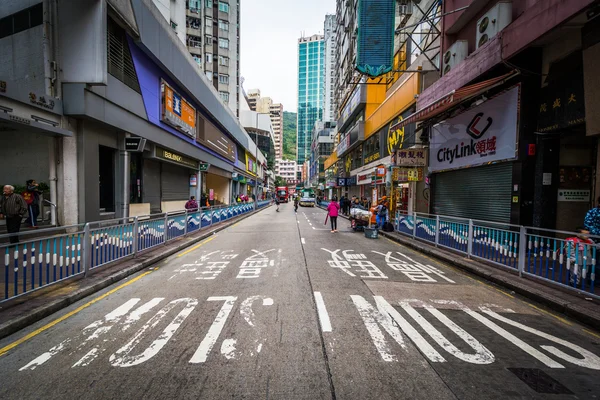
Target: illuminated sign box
<point>176,111</point>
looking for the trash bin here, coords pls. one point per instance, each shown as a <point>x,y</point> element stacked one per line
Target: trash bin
<point>371,233</point>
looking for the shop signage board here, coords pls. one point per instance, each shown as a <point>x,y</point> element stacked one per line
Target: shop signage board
<point>213,138</point>
<point>177,112</point>
<point>173,157</point>
<point>574,195</point>
<point>399,138</point>
<point>203,167</point>
<point>358,97</point>
<point>411,158</point>
<point>193,180</point>
<point>211,194</point>
<point>401,175</point>
<point>134,144</point>
<point>374,197</point>
<point>343,145</point>
<point>364,178</point>
<point>481,135</point>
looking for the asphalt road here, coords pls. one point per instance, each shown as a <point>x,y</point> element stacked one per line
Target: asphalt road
<point>278,307</point>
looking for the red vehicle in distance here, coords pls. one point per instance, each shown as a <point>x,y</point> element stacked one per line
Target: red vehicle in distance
<point>282,193</point>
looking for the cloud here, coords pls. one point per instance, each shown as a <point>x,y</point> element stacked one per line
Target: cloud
<point>269,44</point>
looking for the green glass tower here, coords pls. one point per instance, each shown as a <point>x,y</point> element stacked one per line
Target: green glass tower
<point>311,91</point>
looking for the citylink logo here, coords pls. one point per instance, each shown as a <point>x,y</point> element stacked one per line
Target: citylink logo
<point>474,131</point>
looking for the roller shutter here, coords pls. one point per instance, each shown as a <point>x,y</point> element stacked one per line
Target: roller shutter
<point>479,193</point>
<point>175,182</point>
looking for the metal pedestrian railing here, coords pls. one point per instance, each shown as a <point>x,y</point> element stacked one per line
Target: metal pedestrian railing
<point>558,257</point>
<point>56,254</point>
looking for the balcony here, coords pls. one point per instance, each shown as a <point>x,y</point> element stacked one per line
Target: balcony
<point>193,31</point>
<point>195,50</point>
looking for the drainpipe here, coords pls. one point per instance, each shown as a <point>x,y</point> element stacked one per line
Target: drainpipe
<point>47,29</point>
<point>52,178</point>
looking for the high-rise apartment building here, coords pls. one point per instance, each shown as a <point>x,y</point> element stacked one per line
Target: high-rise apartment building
<point>311,77</point>
<point>276,113</point>
<point>330,46</point>
<point>286,169</point>
<point>265,105</point>
<point>211,31</point>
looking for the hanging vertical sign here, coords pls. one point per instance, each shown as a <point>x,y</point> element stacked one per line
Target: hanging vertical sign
<point>375,44</point>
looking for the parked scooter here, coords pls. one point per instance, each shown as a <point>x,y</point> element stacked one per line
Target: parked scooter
<point>359,217</point>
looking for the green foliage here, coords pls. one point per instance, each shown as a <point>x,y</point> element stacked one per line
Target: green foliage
<point>289,135</point>
<point>279,181</point>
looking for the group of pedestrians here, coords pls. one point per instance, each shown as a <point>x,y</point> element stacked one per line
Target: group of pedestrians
<point>14,206</point>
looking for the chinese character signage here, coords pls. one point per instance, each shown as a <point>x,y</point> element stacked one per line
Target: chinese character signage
<point>562,103</point>
<point>411,158</point>
<point>402,175</point>
<point>177,112</point>
<point>574,195</point>
<point>478,136</point>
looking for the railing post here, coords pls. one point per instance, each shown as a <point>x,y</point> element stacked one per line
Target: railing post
<point>185,223</point>
<point>87,249</point>
<point>470,240</point>
<point>414,225</point>
<point>166,229</point>
<point>136,235</point>
<point>437,230</point>
<point>211,216</point>
<point>522,249</point>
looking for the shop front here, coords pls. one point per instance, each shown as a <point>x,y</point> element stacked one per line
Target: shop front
<point>471,158</point>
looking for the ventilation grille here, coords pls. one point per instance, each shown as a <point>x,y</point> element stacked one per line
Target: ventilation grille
<point>120,63</point>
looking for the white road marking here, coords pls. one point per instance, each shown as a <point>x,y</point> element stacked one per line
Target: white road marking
<point>515,340</point>
<point>314,227</point>
<point>590,360</point>
<point>46,356</point>
<point>323,315</point>
<point>303,241</point>
<point>122,357</point>
<point>211,337</point>
<point>482,355</point>
<point>228,348</point>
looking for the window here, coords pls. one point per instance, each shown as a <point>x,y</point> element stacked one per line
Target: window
<point>23,20</point>
<point>194,41</point>
<point>224,7</point>
<point>209,57</point>
<point>198,60</point>
<point>194,5</point>
<point>224,96</point>
<point>193,23</point>
<point>223,78</point>
<point>223,43</point>
<point>224,25</point>
<point>208,23</point>
<point>208,40</point>
<point>209,3</point>
<point>120,63</point>
<point>209,75</point>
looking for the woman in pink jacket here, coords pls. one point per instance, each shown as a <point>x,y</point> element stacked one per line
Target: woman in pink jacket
<point>333,210</point>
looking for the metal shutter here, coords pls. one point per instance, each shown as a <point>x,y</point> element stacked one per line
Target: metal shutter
<point>174,182</point>
<point>151,184</point>
<point>479,193</point>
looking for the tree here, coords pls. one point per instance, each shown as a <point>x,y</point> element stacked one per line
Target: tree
<point>279,181</point>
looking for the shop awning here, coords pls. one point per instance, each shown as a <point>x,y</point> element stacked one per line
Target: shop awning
<point>453,99</point>
<point>9,122</point>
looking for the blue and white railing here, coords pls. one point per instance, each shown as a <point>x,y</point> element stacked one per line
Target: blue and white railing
<point>545,254</point>
<point>59,253</point>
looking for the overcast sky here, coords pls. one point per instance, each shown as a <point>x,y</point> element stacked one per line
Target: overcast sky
<point>269,44</point>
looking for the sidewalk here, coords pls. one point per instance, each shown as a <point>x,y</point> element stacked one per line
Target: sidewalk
<point>30,308</point>
<point>570,303</point>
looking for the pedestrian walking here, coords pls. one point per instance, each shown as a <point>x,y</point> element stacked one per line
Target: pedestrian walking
<point>296,201</point>
<point>592,220</point>
<point>192,204</point>
<point>12,208</point>
<point>277,203</point>
<point>332,211</point>
<point>31,195</point>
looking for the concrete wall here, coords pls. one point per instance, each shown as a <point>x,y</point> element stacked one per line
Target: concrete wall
<point>24,156</point>
<point>22,60</point>
<point>90,136</point>
<point>221,187</point>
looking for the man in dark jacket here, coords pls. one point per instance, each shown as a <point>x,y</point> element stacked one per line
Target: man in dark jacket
<point>32,198</point>
<point>13,208</point>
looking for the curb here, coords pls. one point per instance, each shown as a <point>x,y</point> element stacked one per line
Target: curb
<point>573,309</point>
<point>40,313</point>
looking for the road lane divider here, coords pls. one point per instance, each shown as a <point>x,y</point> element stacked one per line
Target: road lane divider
<point>323,315</point>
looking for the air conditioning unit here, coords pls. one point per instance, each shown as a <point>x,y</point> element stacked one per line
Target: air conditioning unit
<point>496,19</point>
<point>405,9</point>
<point>455,55</point>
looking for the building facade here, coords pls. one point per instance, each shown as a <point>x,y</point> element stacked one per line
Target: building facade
<point>286,169</point>
<point>330,65</point>
<point>211,31</point>
<point>79,120</point>
<point>534,66</point>
<point>311,87</point>
<point>321,148</point>
<point>276,113</point>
